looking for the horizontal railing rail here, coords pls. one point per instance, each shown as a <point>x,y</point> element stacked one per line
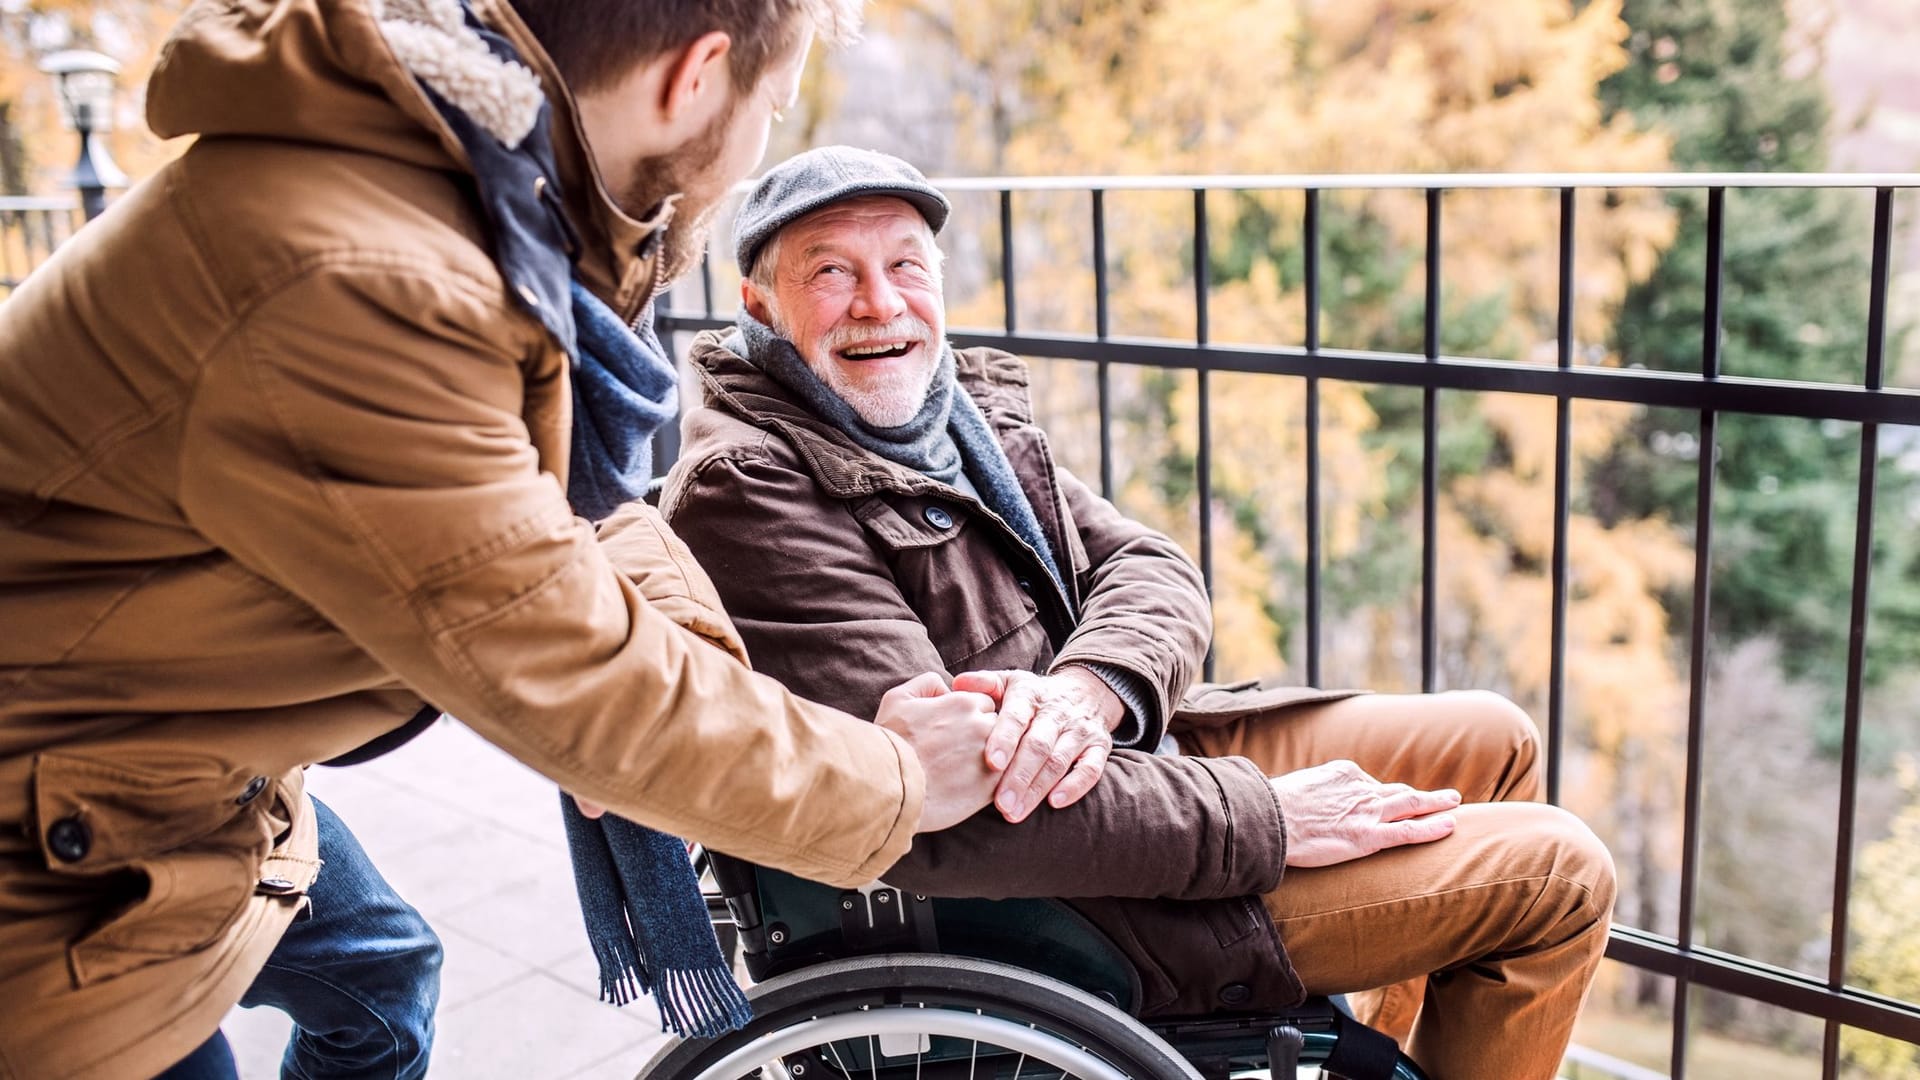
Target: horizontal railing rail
<point>1708,392</point>
<point>30,228</point>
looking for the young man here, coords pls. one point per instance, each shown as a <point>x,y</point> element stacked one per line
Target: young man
<point>871,502</point>
<point>291,444</point>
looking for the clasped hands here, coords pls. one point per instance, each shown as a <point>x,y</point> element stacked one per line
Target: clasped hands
<point>1014,738</point>
<point>1049,737</point>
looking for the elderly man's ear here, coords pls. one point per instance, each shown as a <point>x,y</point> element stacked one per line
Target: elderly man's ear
<point>755,303</point>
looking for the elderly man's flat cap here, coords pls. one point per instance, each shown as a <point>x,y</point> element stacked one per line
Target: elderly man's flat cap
<point>819,178</point>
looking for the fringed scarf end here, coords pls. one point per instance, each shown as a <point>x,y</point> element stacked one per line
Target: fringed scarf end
<point>702,1003</point>
<point>621,977</point>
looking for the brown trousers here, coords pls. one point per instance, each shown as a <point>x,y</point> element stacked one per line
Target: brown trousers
<point>1486,941</point>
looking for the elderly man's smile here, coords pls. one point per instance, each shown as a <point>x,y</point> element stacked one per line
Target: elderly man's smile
<point>879,350</point>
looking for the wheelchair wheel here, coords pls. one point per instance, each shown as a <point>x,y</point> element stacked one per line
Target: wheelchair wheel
<point>924,1017</point>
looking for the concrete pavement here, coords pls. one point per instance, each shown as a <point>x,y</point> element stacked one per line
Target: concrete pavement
<point>472,838</point>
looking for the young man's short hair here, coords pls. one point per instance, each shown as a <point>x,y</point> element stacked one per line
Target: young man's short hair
<point>594,42</point>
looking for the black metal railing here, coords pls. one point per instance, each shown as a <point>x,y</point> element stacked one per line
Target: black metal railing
<point>30,228</point>
<point>1708,393</point>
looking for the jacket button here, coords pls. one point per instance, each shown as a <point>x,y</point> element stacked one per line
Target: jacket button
<point>69,839</point>
<point>253,789</point>
<point>275,886</point>
<point>1026,586</point>
<point>937,517</point>
<point>1236,994</point>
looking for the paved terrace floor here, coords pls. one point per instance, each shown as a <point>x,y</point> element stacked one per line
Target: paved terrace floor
<point>472,838</point>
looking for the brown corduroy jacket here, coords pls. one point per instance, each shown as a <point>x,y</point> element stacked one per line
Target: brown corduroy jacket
<point>281,458</point>
<point>846,573</point>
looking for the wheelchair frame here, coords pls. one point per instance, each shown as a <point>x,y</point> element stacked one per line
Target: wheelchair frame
<point>852,982</point>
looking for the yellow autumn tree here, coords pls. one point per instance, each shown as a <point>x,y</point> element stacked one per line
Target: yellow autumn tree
<point>1885,953</point>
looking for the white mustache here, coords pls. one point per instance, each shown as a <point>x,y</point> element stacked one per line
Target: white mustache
<point>903,328</point>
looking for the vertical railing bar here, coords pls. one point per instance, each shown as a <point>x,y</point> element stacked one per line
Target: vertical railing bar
<point>1562,495</point>
<point>7,276</point>
<point>1702,581</point>
<point>1429,464</point>
<point>1310,246</point>
<point>48,236</point>
<point>706,283</point>
<point>1102,373</point>
<point>666,439</point>
<point>1203,458</point>
<point>1857,621</point>
<point>28,242</point>
<point>1006,256</point>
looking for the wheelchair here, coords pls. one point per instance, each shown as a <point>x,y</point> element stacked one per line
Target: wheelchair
<point>887,985</point>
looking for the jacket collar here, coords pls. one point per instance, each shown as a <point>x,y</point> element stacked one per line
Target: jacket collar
<point>619,256</point>
<point>996,381</point>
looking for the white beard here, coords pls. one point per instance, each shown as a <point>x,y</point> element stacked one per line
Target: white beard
<point>885,400</point>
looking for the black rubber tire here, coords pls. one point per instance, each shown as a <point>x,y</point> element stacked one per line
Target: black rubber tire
<point>933,981</point>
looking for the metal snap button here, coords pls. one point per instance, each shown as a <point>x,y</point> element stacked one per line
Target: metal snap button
<point>69,839</point>
<point>275,886</point>
<point>1236,994</point>
<point>252,791</point>
<point>1026,586</point>
<point>937,517</point>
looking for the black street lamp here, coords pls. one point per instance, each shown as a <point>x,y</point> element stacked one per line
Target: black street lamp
<point>85,81</point>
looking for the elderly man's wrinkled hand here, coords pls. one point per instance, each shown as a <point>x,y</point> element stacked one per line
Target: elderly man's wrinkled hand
<point>945,728</point>
<point>1052,737</point>
<point>1335,812</point>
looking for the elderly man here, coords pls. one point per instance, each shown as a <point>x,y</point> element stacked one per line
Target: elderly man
<point>300,436</point>
<point>872,504</point>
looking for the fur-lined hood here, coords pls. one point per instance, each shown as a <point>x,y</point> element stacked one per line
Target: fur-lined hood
<point>343,73</point>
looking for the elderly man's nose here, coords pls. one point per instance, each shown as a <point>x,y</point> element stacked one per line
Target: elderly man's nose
<point>876,298</point>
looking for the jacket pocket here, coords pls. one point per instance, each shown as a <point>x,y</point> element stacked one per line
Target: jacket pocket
<point>173,852</point>
<point>976,606</point>
<point>1216,704</point>
<point>1198,957</point>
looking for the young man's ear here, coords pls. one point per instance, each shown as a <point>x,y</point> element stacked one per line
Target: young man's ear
<point>698,80</point>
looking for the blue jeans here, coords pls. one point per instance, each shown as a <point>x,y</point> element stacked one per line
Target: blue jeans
<point>359,972</point>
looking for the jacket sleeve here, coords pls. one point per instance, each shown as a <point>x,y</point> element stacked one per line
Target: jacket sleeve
<point>359,442</point>
<point>1176,828</point>
<point>824,616</point>
<point>1145,608</point>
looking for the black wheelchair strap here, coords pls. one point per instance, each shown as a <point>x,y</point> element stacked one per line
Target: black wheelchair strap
<point>1361,1053</point>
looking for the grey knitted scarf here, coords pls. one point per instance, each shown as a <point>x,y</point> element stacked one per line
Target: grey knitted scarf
<point>946,439</point>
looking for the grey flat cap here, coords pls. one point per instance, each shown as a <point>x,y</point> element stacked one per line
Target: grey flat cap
<point>820,177</point>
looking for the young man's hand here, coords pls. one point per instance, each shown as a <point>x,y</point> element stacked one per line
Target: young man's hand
<point>946,729</point>
<point>1052,736</point>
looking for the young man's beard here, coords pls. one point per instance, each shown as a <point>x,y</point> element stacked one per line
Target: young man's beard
<point>682,173</point>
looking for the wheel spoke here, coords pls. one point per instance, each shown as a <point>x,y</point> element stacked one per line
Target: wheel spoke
<point>844,1071</point>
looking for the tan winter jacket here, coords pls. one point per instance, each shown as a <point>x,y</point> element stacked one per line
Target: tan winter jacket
<point>280,460</point>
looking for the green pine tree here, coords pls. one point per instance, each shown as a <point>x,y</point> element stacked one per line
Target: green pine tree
<point>1715,74</point>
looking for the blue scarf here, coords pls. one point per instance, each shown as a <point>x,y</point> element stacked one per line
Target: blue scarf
<point>645,917</point>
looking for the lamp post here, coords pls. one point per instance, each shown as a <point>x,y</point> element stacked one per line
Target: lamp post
<point>85,81</point>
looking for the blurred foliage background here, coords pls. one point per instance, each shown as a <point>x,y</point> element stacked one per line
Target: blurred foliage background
<point>1082,87</point>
